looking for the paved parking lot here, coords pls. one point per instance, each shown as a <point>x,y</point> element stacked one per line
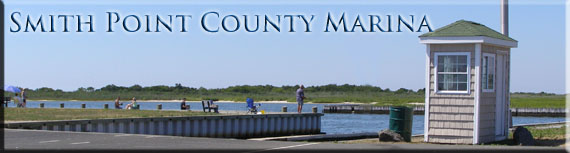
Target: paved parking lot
<point>16,139</point>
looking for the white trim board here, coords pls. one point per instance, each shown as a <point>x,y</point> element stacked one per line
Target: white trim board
<point>477,93</point>
<point>494,71</point>
<point>468,40</point>
<point>427,91</point>
<point>435,56</point>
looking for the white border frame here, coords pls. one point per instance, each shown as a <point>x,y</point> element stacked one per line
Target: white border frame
<point>468,54</point>
<point>494,69</point>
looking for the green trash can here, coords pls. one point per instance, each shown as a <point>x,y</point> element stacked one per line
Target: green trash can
<point>401,121</point>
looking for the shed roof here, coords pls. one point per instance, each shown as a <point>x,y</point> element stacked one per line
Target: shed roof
<point>464,28</point>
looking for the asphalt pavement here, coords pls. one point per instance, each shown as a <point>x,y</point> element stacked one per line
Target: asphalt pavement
<point>19,139</point>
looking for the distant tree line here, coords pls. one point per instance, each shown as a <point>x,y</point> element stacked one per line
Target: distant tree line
<point>542,93</point>
<point>178,88</point>
<point>323,93</point>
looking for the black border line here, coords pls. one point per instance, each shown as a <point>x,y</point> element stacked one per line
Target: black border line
<point>2,51</point>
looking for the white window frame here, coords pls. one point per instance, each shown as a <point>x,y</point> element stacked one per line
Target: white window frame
<point>436,55</point>
<point>494,68</point>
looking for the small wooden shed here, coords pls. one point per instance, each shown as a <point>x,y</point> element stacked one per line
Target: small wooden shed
<point>467,77</point>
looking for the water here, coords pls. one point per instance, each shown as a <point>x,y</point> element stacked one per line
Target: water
<point>331,123</point>
<point>356,123</point>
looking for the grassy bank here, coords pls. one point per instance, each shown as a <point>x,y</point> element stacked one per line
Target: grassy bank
<point>537,101</point>
<point>331,93</point>
<point>317,94</point>
<point>45,114</point>
<point>543,135</point>
<point>379,99</point>
<point>384,99</point>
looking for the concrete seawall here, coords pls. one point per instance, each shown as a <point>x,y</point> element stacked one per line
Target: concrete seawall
<point>226,126</point>
<point>419,110</point>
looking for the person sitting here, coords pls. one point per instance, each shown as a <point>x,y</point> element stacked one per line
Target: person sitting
<point>183,105</point>
<point>16,99</point>
<point>214,106</point>
<point>117,104</point>
<point>6,100</point>
<point>132,104</point>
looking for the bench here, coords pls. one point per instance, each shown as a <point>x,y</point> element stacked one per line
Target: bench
<point>6,101</point>
<point>206,104</point>
<point>136,107</point>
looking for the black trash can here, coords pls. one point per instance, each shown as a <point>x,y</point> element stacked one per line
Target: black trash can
<point>401,121</point>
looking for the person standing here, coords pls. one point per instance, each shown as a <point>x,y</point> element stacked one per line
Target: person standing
<point>24,97</point>
<point>300,98</point>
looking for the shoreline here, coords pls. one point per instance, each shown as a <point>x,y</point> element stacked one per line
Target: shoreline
<point>166,101</point>
<point>226,101</point>
<point>178,101</point>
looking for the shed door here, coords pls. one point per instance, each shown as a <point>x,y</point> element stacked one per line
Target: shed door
<point>500,107</point>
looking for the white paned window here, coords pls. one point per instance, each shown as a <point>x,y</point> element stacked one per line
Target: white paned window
<point>452,72</point>
<point>488,72</point>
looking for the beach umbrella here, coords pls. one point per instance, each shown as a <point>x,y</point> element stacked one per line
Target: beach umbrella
<point>11,89</point>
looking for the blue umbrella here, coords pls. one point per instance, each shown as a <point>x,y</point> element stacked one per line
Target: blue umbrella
<point>12,89</point>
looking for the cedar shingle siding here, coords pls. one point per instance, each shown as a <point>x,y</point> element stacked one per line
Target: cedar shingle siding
<point>487,102</point>
<point>451,115</point>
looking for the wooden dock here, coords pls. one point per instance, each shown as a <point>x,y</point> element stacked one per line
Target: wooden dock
<point>419,110</point>
<point>552,112</point>
<point>364,109</point>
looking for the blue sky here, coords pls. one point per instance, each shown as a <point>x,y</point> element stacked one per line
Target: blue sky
<point>214,60</point>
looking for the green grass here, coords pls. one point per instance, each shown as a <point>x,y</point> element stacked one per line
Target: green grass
<point>316,97</point>
<point>542,137</point>
<point>44,114</point>
<point>552,133</point>
<point>538,101</point>
<point>337,94</point>
<point>380,98</point>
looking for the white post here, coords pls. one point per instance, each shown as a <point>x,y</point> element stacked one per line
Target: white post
<point>427,90</point>
<point>477,91</point>
<point>505,17</point>
<point>505,31</point>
